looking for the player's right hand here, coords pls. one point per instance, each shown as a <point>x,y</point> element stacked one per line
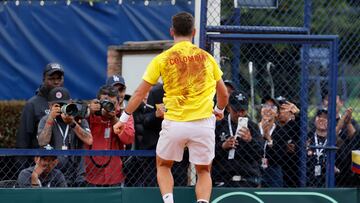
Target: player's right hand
<point>219,116</point>
<point>119,127</point>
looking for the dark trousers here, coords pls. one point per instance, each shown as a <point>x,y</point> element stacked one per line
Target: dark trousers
<point>272,176</point>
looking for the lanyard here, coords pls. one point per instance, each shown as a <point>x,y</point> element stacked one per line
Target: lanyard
<point>230,127</point>
<point>64,135</point>
<point>318,151</point>
<point>266,142</point>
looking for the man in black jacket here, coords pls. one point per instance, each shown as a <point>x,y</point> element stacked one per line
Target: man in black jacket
<point>243,169</point>
<point>38,106</point>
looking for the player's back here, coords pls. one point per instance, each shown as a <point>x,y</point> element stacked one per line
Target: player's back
<point>189,75</point>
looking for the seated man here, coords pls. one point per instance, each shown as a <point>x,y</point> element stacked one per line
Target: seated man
<point>43,174</point>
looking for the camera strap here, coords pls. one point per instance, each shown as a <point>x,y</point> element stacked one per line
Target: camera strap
<point>64,135</point>
<point>99,165</point>
<point>107,162</point>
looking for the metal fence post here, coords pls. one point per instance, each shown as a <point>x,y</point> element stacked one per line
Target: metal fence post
<point>330,176</point>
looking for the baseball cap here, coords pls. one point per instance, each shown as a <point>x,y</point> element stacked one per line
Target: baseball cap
<point>281,100</point>
<point>115,79</point>
<point>321,111</point>
<point>51,68</point>
<point>48,147</point>
<point>59,95</point>
<point>230,84</point>
<point>238,101</point>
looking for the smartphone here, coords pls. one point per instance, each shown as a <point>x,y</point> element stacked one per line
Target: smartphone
<point>242,123</point>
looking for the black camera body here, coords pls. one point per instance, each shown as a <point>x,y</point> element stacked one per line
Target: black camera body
<point>77,109</point>
<point>107,105</point>
<point>83,109</point>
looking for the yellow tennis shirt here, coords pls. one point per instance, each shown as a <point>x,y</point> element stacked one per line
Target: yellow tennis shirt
<point>189,75</point>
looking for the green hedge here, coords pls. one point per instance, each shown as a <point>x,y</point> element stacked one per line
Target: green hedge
<point>10,112</point>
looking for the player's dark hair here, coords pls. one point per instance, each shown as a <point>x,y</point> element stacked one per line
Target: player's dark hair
<point>183,24</point>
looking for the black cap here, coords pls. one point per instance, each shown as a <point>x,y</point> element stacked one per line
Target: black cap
<point>48,147</point>
<point>115,79</point>
<point>238,101</point>
<point>230,84</point>
<point>321,111</point>
<point>51,68</point>
<point>59,95</point>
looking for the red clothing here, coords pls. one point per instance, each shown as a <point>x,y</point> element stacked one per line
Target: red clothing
<point>107,170</point>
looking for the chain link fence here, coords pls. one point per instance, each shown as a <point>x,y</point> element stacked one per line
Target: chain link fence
<point>276,71</point>
<point>261,161</point>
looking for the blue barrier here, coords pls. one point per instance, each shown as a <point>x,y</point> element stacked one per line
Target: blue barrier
<point>78,152</point>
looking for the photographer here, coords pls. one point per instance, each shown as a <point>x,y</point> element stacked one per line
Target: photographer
<point>118,82</point>
<point>106,170</point>
<point>243,169</point>
<point>64,130</point>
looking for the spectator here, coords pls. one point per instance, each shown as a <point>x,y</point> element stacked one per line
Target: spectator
<point>243,170</point>
<point>230,86</point>
<point>317,157</point>
<point>35,108</point>
<point>138,116</point>
<point>43,174</point>
<point>64,131</point>
<point>348,126</point>
<point>118,82</point>
<point>289,131</point>
<point>347,130</point>
<point>273,144</point>
<point>106,170</point>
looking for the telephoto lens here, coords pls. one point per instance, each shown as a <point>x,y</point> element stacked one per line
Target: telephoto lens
<point>107,105</point>
<point>69,109</point>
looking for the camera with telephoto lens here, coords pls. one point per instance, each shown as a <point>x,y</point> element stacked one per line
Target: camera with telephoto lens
<point>78,109</point>
<point>107,105</point>
<point>69,109</point>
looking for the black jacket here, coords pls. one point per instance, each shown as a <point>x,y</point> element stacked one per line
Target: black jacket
<point>152,124</point>
<point>35,108</point>
<point>247,155</point>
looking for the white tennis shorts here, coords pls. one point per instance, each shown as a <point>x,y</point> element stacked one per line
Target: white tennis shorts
<point>198,136</point>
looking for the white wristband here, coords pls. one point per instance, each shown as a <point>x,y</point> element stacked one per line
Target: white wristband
<point>217,110</point>
<point>124,117</point>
